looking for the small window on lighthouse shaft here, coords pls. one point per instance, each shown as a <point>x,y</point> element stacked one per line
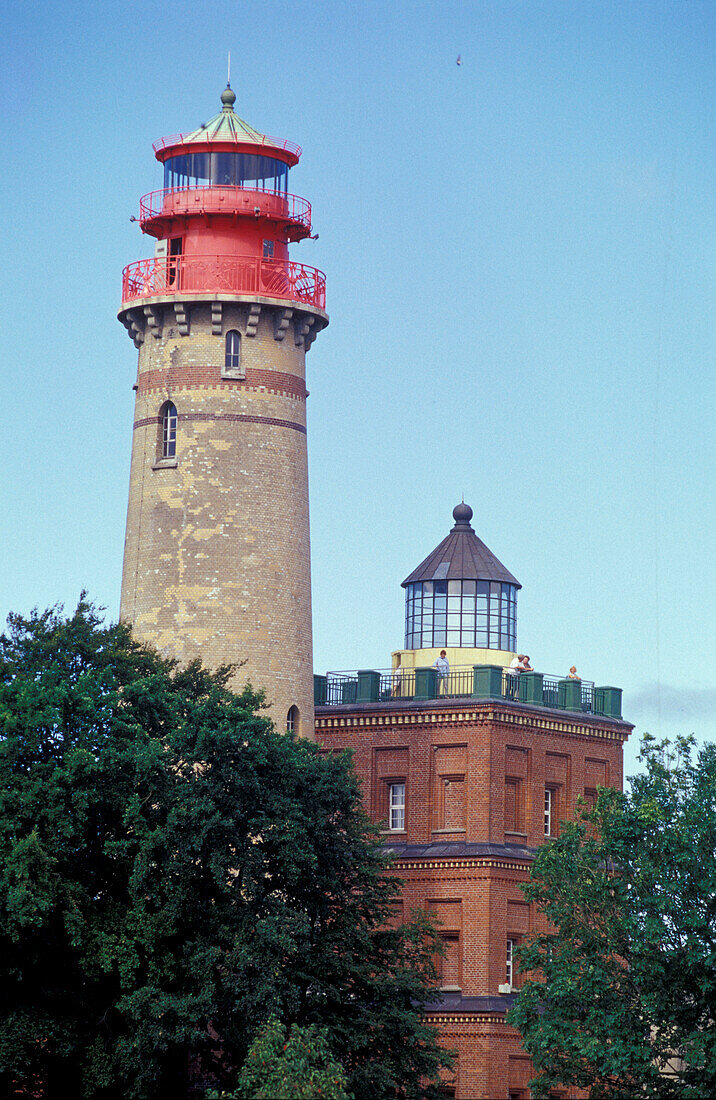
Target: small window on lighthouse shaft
<point>232,356</point>
<point>292,720</point>
<point>169,431</point>
<point>268,250</point>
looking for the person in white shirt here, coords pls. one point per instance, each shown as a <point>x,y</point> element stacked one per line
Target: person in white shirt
<point>443,666</point>
<point>397,679</point>
<point>515,668</point>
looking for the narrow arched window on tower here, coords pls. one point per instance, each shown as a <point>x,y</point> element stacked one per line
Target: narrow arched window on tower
<point>232,358</point>
<point>168,438</point>
<point>292,720</point>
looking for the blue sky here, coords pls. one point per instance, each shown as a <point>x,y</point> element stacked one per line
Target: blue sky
<point>520,261</point>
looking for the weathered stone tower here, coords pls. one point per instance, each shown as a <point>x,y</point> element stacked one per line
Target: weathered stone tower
<point>217,554</point>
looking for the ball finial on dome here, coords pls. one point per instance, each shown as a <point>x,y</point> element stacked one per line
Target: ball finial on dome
<point>462,513</point>
<point>228,96</point>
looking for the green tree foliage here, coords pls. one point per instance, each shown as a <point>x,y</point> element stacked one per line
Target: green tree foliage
<point>622,1000</point>
<point>173,873</point>
<point>294,1066</point>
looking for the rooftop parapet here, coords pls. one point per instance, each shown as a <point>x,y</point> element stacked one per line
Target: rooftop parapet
<point>467,682</point>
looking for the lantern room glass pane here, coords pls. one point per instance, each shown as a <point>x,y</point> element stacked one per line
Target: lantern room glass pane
<point>470,614</point>
<point>207,168</point>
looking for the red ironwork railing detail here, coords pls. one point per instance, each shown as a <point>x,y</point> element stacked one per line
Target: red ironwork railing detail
<point>228,274</point>
<point>272,142</point>
<point>175,201</point>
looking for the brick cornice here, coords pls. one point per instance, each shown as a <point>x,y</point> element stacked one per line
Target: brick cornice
<point>443,1018</point>
<point>469,863</point>
<point>561,725</point>
<point>424,715</point>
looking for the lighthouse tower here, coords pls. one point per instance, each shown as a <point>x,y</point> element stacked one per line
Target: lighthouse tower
<point>217,556</point>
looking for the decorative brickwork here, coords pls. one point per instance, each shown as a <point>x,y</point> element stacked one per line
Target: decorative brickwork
<point>203,376</point>
<point>188,418</point>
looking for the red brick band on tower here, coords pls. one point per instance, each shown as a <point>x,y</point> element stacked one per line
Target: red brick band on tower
<point>236,417</point>
<point>172,380</point>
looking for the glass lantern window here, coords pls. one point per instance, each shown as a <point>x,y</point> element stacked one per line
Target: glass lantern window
<point>465,614</point>
<point>209,169</point>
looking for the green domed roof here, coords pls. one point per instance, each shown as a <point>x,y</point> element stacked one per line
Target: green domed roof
<point>227,126</point>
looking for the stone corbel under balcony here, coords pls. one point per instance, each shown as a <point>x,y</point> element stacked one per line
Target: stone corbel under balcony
<point>252,322</point>
<point>154,320</point>
<point>182,316</point>
<point>281,321</point>
<point>130,320</point>
<point>303,324</point>
<point>302,328</point>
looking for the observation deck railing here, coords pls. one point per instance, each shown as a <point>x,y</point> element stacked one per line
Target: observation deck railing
<point>463,682</point>
<point>254,201</point>
<point>222,138</point>
<point>179,275</point>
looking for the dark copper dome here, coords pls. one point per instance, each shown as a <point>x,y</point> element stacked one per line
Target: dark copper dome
<point>461,556</point>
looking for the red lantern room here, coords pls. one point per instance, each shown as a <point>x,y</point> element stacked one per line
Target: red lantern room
<point>224,218</point>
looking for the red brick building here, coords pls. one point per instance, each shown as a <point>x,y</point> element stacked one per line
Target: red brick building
<point>468,772</point>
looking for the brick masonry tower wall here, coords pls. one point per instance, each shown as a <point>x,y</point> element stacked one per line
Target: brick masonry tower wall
<point>475,774</point>
<point>217,552</point>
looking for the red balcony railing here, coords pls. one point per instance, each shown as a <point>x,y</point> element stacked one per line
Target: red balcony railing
<point>254,202</point>
<point>271,142</point>
<point>228,274</point>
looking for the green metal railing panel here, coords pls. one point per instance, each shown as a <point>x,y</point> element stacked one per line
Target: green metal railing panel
<point>320,689</point>
<point>368,686</point>
<point>425,683</point>
<point>569,695</point>
<point>608,701</point>
<point>349,690</point>
<point>487,681</point>
<point>531,687</point>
